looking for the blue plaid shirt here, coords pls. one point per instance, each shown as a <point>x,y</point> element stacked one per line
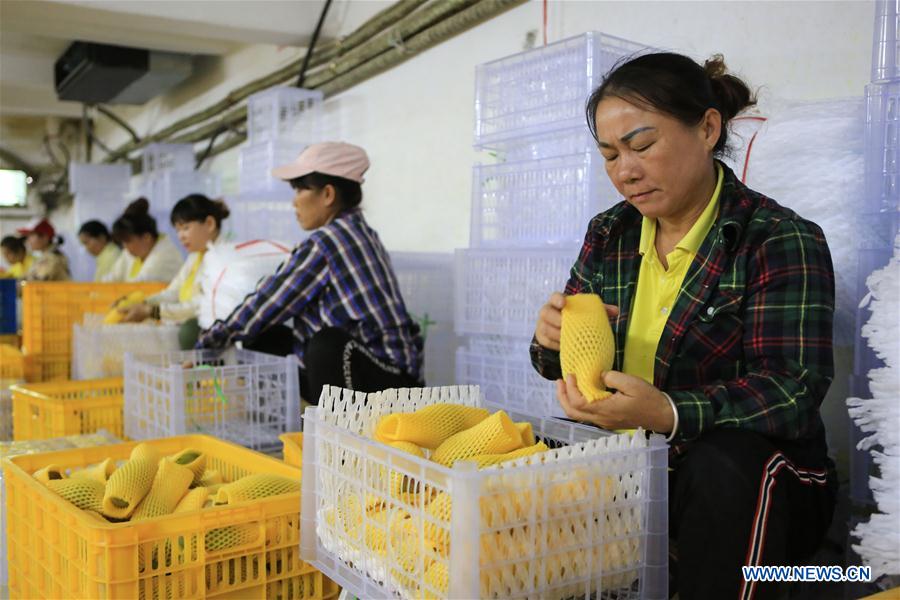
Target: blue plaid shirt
<point>341,276</point>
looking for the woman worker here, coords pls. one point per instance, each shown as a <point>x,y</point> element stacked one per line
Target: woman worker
<point>96,239</point>
<point>49,263</point>
<point>198,223</point>
<point>16,256</point>
<point>721,303</point>
<point>148,256</point>
<point>350,326</point>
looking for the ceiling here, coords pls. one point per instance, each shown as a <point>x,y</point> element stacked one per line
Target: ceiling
<point>33,33</point>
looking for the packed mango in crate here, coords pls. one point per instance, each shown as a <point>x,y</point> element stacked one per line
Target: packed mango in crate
<point>149,485</point>
<point>385,524</point>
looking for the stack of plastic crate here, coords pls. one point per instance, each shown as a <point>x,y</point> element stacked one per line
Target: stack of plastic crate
<point>281,122</point>
<point>101,193</point>
<point>878,225</point>
<point>426,284</point>
<point>530,210</point>
<point>168,176</point>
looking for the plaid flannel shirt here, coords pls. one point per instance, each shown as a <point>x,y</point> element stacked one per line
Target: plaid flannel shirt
<point>341,276</point>
<point>748,342</point>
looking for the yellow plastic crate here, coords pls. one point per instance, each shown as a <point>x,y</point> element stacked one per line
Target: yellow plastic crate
<point>59,551</point>
<point>51,308</point>
<point>12,363</point>
<point>293,448</point>
<point>55,409</point>
<point>9,339</point>
<point>46,367</point>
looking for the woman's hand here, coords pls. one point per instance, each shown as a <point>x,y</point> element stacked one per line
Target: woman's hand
<point>136,313</point>
<point>635,403</point>
<point>549,322</point>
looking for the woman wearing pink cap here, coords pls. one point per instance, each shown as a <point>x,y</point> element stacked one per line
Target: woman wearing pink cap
<point>49,263</point>
<point>350,327</point>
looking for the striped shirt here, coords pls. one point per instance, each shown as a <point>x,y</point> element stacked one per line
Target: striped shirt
<point>341,276</point>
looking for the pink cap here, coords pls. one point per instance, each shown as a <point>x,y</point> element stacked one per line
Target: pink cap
<point>329,158</point>
<point>38,225</point>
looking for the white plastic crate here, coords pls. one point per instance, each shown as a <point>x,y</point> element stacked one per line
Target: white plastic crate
<point>499,291</point>
<point>547,201</point>
<point>883,147</point>
<point>98,350</point>
<point>886,41</point>
<point>99,179</point>
<point>103,205</point>
<point>10,448</point>
<point>158,158</point>
<point>588,519</point>
<point>544,89</point>
<point>501,367</point>
<point>426,284</point>
<point>165,188</point>
<point>256,161</point>
<point>284,112</point>
<point>6,427</point>
<point>245,397</point>
<point>265,216</point>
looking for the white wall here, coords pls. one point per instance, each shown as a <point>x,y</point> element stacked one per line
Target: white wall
<point>416,120</point>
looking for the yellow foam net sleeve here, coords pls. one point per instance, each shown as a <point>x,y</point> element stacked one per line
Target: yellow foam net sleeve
<point>99,472</point>
<point>251,487</point>
<point>114,316</point>
<point>486,460</point>
<point>86,494</point>
<point>587,345</point>
<point>128,485</point>
<point>210,477</point>
<point>400,485</point>
<point>49,473</point>
<point>438,578</point>
<point>193,460</point>
<point>429,426</point>
<point>195,499</point>
<point>527,432</point>
<point>169,487</point>
<point>496,434</point>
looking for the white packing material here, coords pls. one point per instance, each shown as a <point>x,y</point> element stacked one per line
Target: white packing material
<point>231,271</point>
<point>879,417</point>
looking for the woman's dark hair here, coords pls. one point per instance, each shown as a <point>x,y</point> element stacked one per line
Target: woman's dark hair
<point>136,220</point>
<point>94,229</point>
<point>13,244</point>
<point>349,193</point>
<point>196,207</point>
<point>675,85</point>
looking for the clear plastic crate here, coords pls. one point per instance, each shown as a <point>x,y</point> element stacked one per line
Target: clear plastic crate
<point>501,366</point>
<point>248,398</point>
<point>98,350</point>
<point>547,201</point>
<point>9,449</point>
<point>256,161</point>
<point>102,179</point>
<point>499,291</point>
<point>543,89</point>
<point>158,158</point>
<point>264,215</point>
<point>6,423</point>
<point>576,140</point>
<point>883,147</point>
<point>165,188</point>
<point>284,112</point>
<point>587,519</point>
<point>104,205</point>
<point>426,284</point>
<point>886,41</point>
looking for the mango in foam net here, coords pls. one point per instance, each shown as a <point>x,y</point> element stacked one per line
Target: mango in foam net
<point>115,315</point>
<point>193,460</point>
<point>587,344</point>
<point>98,472</point>
<point>169,486</point>
<point>430,426</point>
<point>496,434</point>
<point>128,485</point>
<point>85,493</point>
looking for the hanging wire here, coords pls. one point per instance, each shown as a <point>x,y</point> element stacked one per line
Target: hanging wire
<point>312,44</point>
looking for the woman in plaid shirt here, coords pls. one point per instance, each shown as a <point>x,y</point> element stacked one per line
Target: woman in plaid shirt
<point>721,302</point>
<point>350,327</point>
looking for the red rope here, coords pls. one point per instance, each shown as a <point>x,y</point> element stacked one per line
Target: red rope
<point>750,145</point>
<point>545,22</point>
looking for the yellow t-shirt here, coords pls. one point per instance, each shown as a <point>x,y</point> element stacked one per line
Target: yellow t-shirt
<point>187,289</point>
<point>105,260</point>
<point>18,270</point>
<point>657,288</point>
